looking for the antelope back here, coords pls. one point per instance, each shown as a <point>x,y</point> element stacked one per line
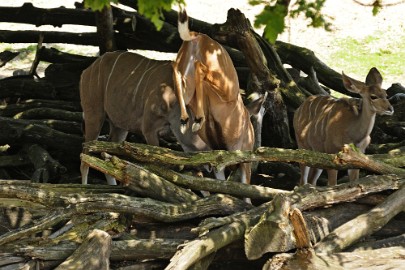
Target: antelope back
<point>120,82</point>
<point>136,94</point>
<point>321,123</point>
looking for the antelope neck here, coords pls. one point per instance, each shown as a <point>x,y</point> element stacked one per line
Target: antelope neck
<point>365,121</point>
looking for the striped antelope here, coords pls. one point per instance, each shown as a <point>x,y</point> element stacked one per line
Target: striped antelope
<point>135,94</point>
<point>325,124</point>
<point>206,81</point>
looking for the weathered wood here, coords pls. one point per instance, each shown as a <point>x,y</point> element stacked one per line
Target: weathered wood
<point>7,56</point>
<point>39,16</point>
<point>93,254</point>
<point>394,157</point>
<point>213,185</point>
<point>229,229</point>
<point>68,127</point>
<point>305,59</point>
<point>13,109</point>
<point>363,225</point>
<point>16,160</point>
<point>53,55</point>
<point>49,113</point>
<point>140,180</point>
<point>67,205</point>
<point>384,258</point>
<point>23,131</point>
<point>261,237</point>
<point>346,159</point>
<point>395,88</point>
<point>301,233</point>
<point>46,167</point>
<point>27,88</point>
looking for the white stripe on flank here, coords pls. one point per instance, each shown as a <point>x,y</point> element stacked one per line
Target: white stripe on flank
<point>140,80</point>
<point>111,72</point>
<point>99,73</point>
<point>134,70</point>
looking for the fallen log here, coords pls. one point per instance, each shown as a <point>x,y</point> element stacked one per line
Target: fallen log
<point>93,253</point>
<point>19,132</point>
<point>10,110</point>
<point>49,113</point>
<point>363,225</point>
<point>7,56</point>
<point>46,167</point>
<point>141,181</point>
<point>213,185</point>
<point>27,88</point>
<point>386,258</point>
<point>305,59</point>
<point>67,127</point>
<point>16,160</point>
<point>68,205</point>
<point>218,159</point>
<point>223,231</point>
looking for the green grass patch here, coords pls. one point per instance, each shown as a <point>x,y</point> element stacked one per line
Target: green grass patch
<point>357,56</point>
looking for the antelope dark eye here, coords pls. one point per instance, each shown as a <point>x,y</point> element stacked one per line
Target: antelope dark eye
<point>373,97</point>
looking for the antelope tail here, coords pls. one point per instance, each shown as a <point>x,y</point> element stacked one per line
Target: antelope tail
<point>184,31</point>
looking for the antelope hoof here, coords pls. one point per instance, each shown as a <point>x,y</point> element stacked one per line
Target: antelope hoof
<point>183,125</point>
<point>197,125</point>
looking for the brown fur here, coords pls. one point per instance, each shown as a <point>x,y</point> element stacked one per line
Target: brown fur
<point>206,81</point>
<point>325,124</point>
<point>135,94</point>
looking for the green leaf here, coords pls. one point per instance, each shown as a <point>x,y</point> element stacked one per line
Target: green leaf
<point>98,5</point>
<point>153,10</point>
<point>376,9</point>
<point>272,17</point>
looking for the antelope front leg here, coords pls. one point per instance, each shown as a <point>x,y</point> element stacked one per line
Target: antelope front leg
<point>200,72</point>
<point>178,81</point>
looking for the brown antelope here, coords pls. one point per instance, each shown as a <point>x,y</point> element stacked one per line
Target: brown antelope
<point>325,124</point>
<point>135,94</point>
<point>206,81</point>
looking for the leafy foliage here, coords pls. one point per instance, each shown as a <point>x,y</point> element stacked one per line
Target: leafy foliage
<point>98,5</point>
<point>275,12</point>
<point>273,19</point>
<point>153,9</point>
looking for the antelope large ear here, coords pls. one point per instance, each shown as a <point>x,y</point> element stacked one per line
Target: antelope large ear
<point>351,84</point>
<point>374,77</point>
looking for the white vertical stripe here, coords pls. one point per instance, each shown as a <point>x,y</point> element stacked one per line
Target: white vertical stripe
<point>112,70</point>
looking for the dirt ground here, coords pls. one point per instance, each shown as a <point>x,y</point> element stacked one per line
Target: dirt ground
<point>349,20</point>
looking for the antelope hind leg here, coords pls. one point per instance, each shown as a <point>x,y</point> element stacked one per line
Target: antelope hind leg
<point>200,73</point>
<point>177,78</point>
<point>313,175</point>
<point>92,123</point>
<point>304,174</point>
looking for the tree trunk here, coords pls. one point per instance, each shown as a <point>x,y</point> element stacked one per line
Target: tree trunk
<point>105,30</point>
